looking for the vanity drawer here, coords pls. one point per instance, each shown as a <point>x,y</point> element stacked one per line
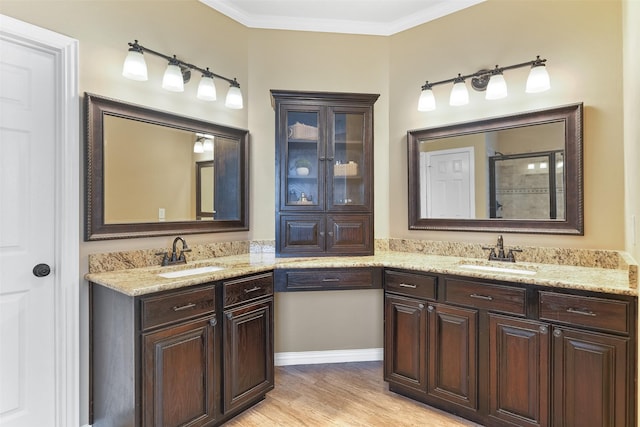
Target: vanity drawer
<point>328,279</point>
<point>247,289</point>
<point>607,314</point>
<point>410,284</point>
<point>486,296</point>
<point>177,306</point>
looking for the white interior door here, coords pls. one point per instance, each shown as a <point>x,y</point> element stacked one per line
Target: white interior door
<point>32,322</point>
<point>448,176</point>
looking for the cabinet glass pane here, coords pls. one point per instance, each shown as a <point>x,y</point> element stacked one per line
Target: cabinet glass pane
<point>302,159</point>
<point>348,162</point>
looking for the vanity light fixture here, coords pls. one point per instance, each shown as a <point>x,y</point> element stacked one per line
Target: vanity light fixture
<point>490,80</point>
<point>178,73</point>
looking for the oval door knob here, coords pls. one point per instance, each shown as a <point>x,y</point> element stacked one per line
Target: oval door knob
<point>557,333</point>
<point>41,270</point>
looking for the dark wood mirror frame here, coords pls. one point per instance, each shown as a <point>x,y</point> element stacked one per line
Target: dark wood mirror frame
<point>96,107</point>
<point>573,223</point>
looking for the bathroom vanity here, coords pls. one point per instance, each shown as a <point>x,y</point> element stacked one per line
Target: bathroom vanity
<point>502,353</point>
<point>524,343</point>
<point>192,356</point>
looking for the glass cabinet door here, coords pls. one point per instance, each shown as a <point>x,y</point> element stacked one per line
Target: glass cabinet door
<point>348,163</point>
<point>303,171</point>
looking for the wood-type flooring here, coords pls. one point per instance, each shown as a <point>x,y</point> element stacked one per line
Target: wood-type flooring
<point>339,394</point>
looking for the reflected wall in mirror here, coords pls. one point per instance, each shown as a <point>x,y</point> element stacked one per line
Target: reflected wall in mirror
<point>519,173</point>
<point>143,176</point>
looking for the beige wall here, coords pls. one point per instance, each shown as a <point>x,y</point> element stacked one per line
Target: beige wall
<point>581,40</point>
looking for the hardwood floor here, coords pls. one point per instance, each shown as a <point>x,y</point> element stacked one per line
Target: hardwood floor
<point>340,394</point>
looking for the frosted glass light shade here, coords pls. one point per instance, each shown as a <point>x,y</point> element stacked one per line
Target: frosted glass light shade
<point>538,80</point>
<point>172,80</point>
<point>206,89</point>
<point>234,98</point>
<point>198,147</point>
<point>208,145</point>
<point>497,87</point>
<point>135,67</point>
<point>426,102</point>
<point>459,94</point>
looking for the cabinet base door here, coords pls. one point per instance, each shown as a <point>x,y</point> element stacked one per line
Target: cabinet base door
<point>590,384</point>
<point>301,235</point>
<point>248,353</point>
<point>349,234</point>
<point>518,371</point>
<point>178,384</point>
<point>405,342</point>
<point>453,355</point>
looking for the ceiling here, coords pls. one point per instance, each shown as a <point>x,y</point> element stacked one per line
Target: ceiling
<point>373,17</point>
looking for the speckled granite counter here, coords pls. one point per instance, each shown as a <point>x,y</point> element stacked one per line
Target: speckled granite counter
<point>140,281</point>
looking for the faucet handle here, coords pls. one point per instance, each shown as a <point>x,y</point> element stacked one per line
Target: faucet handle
<point>165,258</point>
<point>511,256</point>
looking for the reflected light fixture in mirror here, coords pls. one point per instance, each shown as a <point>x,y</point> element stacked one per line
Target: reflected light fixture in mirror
<point>178,73</point>
<point>490,80</point>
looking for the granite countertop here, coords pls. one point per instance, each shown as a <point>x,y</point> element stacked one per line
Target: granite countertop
<point>145,280</point>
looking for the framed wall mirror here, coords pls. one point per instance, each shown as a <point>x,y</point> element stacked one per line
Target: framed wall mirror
<point>520,173</point>
<point>145,174</point>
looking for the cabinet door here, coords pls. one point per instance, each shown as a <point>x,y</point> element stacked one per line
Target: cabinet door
<point>301,234</point>
<point>349,234</point>
<point>519,371</point>
<point>405,335</point>
<point>248,353</point>
<point>590,381</point>
<point>179,384</point>
<point>453,355</point>
<point>301,159</point>
<point>349,159</point>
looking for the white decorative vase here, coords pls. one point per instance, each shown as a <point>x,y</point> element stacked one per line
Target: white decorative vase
<point>302,171</point>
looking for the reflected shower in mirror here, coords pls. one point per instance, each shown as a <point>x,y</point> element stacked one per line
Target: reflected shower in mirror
<point>514,173</point>
<point>145,176</point>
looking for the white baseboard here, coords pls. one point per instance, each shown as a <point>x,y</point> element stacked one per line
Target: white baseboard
<point>328,356</point>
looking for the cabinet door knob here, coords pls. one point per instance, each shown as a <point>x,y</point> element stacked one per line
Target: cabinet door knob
<point>213,321</point>
<point>430,309</point>
<point>557,333</point>
<point>420,306</point>
<point>544,330</point>
<point>322,233</point>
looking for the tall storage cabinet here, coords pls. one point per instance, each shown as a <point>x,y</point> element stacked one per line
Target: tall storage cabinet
<point>324,173</point>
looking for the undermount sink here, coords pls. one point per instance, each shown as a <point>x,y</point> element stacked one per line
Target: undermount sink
<point>498,269</point>
<point>190,272</point>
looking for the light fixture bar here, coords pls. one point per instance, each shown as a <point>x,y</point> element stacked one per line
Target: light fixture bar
<point>483,73</point>
<point>182,64</point>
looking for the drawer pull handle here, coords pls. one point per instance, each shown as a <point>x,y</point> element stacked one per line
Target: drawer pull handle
<point>331,280</point>
<point>482,297</point>
<point>582,312</point>
<point>407,285</point>
<point>255,288</point>
<point>184,307</point>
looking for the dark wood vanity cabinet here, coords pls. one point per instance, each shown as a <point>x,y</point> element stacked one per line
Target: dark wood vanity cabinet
<point>324,173</point>
<point>503,354</point>
<point>189,357</point>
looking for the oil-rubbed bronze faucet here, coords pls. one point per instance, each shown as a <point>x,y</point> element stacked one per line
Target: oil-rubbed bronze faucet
<point>174,258</point>
<point>500,256</point>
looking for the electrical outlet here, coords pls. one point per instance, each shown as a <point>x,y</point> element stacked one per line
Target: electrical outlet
<point>161,214</point>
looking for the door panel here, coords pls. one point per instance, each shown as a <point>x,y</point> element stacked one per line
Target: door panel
<point>590,385</point>
<point>179,377</point>
<point>27,188</point>
<point>248,353</point>
<point>519,371</point>
<point>453,355</point>
<point>405,342</point>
